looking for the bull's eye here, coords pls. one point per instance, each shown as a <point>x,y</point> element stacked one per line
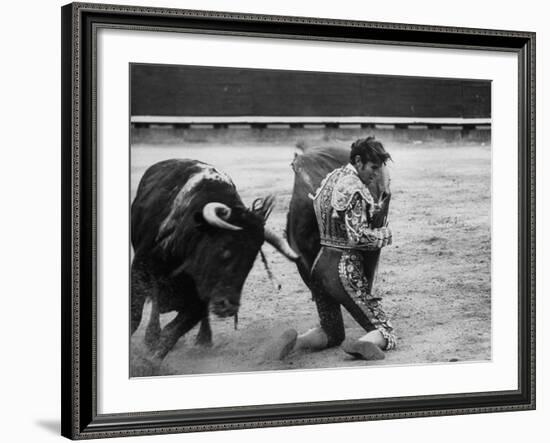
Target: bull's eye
<point>226,255</point>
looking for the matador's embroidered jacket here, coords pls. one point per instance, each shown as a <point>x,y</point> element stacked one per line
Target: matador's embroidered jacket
<point>344,208</point>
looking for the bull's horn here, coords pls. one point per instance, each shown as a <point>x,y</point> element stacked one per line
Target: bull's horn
<point>280,244</point>
<point>210,214</point>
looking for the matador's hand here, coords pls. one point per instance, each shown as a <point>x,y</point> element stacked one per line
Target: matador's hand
<point>377,238</point>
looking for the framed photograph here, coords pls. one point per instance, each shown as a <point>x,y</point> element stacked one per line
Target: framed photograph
<point>273,221</point>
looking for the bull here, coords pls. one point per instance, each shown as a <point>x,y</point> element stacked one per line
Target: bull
<point>194,244</point>
<point>310,168</point>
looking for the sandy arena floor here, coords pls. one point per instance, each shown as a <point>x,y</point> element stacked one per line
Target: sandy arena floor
<point>435,279</point>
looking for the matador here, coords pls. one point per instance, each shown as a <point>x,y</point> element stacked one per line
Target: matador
<point>344,209</point>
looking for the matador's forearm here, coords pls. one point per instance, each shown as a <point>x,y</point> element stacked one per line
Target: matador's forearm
<point>359,232</point>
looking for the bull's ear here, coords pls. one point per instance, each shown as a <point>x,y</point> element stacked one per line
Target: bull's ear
<point>264,206</point>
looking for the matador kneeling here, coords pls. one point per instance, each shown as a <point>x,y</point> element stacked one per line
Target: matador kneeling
<point>344,208</point>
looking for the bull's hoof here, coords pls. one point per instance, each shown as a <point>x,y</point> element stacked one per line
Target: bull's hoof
<point>204,336</point>
<point>151,341</point>
<point>282,346</point>
<point>203,341</point>
<point>363,349</point>
<point>145,367</point>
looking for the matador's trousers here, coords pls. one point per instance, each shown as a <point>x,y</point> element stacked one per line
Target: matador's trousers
<point>338,279</point>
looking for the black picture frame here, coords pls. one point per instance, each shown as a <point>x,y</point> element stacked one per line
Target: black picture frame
<point>79,243</point>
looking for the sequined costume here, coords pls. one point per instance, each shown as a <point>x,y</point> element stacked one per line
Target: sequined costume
<point>344,208</point>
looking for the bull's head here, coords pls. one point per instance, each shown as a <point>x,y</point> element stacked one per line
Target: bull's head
<point>224,245</point>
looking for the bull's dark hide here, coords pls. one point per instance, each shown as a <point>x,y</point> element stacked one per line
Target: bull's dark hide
<point>181,261</point>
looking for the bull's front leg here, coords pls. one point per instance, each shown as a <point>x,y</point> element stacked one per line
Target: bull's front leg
<point>204,336</point>
<point>171,333</point>
<point>152,333</point>
<point>140,290</point>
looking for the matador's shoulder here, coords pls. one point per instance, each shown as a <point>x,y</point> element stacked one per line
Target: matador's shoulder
<point>347,185</point>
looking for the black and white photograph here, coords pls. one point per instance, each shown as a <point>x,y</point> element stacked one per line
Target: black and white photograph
<point>277,221</point>
<point>298,220</point>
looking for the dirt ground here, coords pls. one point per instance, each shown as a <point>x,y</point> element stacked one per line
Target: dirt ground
<point>435,279</point>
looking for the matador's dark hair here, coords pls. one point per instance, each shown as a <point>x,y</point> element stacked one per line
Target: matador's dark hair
<point>369,149</point>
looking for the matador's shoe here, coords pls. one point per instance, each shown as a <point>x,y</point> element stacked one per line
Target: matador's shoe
<point>363,349</point>
<point>281,346</point>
